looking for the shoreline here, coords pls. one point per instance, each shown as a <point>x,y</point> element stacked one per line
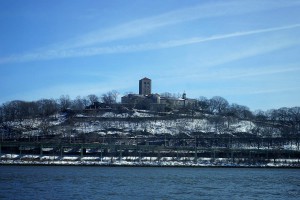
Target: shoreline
<point>28,160</point>
<point>154,166</point>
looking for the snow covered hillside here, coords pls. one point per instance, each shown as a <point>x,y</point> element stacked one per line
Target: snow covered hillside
<point>137,123</point>
<point>161,126</point>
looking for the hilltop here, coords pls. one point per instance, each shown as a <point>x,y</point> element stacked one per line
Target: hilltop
<point>145,114</point>
<point>90,125</point>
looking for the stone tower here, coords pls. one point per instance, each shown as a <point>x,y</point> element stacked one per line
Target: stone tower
<point>145,86</point>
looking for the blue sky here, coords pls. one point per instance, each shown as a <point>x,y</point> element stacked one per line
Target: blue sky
<point>245,51</point>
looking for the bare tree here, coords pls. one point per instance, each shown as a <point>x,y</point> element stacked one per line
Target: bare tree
<point>295,117</point>
<point>260,115</point>
<point>14,110</point>
<point>78,104</point>
<point>46,107</point>
<point>203,103</point>
<point>64,102</point>
<point>92,99</point>
<point>239,111</point>
<point>44,127</point>
<point>110,97</point>
<point>1,114</point>
<point>218,105</point>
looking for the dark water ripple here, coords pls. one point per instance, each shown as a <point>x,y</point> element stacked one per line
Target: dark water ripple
<point>60,182</point>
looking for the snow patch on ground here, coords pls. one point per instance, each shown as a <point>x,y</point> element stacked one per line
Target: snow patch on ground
<point>159,126</point>
<point>243,126</point>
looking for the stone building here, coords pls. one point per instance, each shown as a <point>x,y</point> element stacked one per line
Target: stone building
<point>145,102</point>
<point>145,86</point>
<point>148,101</point>
<point>145,99</point>
<point>182,102</point>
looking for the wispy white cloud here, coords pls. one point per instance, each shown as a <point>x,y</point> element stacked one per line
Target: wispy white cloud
<point>248,75</point>
<point>85,44</point>
<point>255,72</point>
<point>238,91</point>
<point>240,73</point>
<point>266,46</point>
<point>145,25</point>
<point>65,53</point>
<point>272,90</point>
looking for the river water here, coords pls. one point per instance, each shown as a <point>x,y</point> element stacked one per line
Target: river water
<point>82,182</point>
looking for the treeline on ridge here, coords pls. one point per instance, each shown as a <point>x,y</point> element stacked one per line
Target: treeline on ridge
<point>286,118</point>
